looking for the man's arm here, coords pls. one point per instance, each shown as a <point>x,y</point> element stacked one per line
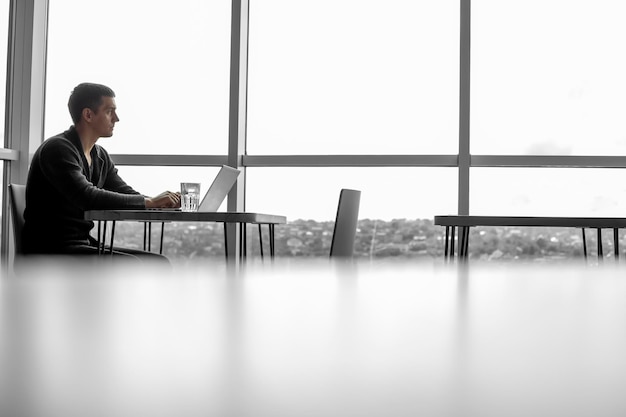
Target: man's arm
<point>115,183</point>
<point>112,180</point>
<point>60,162</point>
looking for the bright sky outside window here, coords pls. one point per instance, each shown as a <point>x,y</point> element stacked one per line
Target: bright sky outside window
<point>353,76</point>
<point>152,180</point>
<point>4,31</point>
<point>548,77</point>
<point>168,63</point>
<point>576,192</point>
<point>386,193</point>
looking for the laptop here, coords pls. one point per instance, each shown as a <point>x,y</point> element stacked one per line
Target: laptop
<point>216,193</point>
<point>219,189</point>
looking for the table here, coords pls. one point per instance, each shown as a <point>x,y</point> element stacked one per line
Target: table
<point>464,222</point>
<point>312,338</point>
<point>162,216</point>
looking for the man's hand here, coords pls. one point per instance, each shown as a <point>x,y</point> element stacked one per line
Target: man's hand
<point>166,199</point>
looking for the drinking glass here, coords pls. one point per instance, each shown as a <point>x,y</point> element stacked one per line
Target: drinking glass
<point>190,196</point>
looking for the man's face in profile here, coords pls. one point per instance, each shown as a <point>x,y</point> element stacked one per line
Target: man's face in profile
<point>105,117</point>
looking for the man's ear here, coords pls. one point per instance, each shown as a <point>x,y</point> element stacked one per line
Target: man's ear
<point>87,114</point>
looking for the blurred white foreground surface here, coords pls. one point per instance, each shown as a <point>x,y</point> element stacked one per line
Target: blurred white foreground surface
<point>314,339</point>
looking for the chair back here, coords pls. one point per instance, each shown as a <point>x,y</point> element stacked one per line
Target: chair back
<point>17,197</point>
<point>345,224</point>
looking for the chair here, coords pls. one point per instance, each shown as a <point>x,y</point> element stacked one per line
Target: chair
<point>17,198</point>
<point>342,245</point>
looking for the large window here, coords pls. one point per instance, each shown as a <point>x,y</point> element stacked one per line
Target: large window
<point>4,31</point>
<point>548,77</point>
<point>168,63</point>
<point>387,193</point>
<point>548,192</point>
<point>360,94</point>
<point>152,180</point>
<point>353,77</point>
<point>182,241</point>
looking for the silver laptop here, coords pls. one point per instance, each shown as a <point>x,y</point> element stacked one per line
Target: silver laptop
<point>219,189</point>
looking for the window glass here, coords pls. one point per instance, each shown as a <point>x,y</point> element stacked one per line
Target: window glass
<point>395,218</point>
<point>182,241</point>
<point>4,194</point>
<point>4,34</point>
<point>395,214</point>
<point>353,76</point>
<point>548,77</point>
<point>386,193</point>
<point>168,63</point>
<point>548,192</point>
<point>153,180</point>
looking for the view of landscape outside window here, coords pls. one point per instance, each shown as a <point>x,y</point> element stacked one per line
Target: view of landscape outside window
<point>349,89</point>
<point>573,192</point>
<point>396,220</point>
<point>554,90</point>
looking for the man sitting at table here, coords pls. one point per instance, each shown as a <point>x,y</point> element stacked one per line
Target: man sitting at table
<point>70,174</point>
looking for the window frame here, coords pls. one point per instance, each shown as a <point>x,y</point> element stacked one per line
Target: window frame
<point>25,94</point>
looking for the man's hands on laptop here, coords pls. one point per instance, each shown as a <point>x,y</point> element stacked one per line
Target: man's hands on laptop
<point>166,199</point>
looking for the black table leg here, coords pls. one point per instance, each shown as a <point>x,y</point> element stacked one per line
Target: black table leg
<point>225,242</point>
<point>112,237</point>
<point>161,244</point>
<point>104,236</point>
<point>272,246</point>
<point>260,240</point>
<point>99,235</point>
<point>584,244</point>
<point>145,235</point>
<point>463,242</point>
<point>242,242</point>
<point>600,253</point>
<point>244,227</point>
<point>452,242</point>
<point>446,243</point>
<point>616,243</point>
<point>149,236</point>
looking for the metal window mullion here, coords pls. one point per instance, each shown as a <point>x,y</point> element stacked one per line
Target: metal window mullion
<point>549,161</point>
<point>169,160</point>
<point>237,116</point>
<point>24,104</point>
<point>350,160</point>
<point>464,109</point>
<point>365,160</point>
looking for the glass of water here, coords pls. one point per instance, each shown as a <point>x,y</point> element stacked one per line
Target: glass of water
<point>189,196</point>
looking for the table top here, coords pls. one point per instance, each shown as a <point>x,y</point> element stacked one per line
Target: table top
<point>184,216</point>
<point>531,221</point>
<point>293,338</point>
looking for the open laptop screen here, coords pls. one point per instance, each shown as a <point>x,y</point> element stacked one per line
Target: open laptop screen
<point>219,189</point>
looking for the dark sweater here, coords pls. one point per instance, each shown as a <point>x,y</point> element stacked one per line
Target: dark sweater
<point>60,188</point>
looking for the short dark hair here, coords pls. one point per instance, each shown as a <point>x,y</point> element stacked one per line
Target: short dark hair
<point>87,95</point>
